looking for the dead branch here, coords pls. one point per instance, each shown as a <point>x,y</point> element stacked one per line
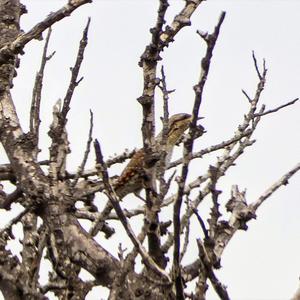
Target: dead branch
<point>188,148</point>
<point>153,201</point>
<point>247,96</point>
<point>202,224</point>
<point>59,147</point>
<point>219,288</point>
<point>231,153</point>
<point>37,94</point>
<point>215,212</point>
<point>282,181</point>
<point>242,212</point>
<point>148,62</point>
<point>12,222</point>
<point>6,172</point>
<point>277,108</point>
<point>86,153</point>
<point>186,234</point>
<point>222,145</point>
<point>162,167</point>
<point>53,197</point>
<point>7,199</point>
<point>74,74</point>
<point>18,44</point>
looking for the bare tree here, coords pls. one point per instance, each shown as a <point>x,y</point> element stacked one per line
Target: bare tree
<point>47,190</point>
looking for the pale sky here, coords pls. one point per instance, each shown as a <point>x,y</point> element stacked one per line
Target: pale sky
<point>262,263</point>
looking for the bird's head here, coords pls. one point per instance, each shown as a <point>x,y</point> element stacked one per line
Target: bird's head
<point>177,125</point>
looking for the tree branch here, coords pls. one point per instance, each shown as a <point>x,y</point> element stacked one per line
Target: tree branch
<point>86,153</point>
<point>16,46</point>
<point>37,94</point>
<point>219,288</point>
<point>188,148</point>
<point>277,108</point>
<point>282,181</point>
<point>75,71</point>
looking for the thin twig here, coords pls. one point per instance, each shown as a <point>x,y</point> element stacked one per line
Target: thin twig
<point>120,158</point>
<point>37,92</point>
<point>75,71</point>
<point>237,137</point>
<point>247,96</point>
<point>13,221</point>
<point>163,141</point>
<point>256,66</point>
<point>186,234</point>
<point>188,148</point>
<point>202,224</point>
<point>228,158</point>
<point>282,181</point>
<point>58,133</point>
<point>277,108</point>
<point>215,212</point>
<point>86,153</point>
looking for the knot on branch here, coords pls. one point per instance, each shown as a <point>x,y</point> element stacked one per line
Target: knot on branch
<point>163,227</point>
<point>151,53</point>
<point>23,9</point>
<point>6,55</point>
<point>167,36</point>
<point>28,141</point>
<point>145,100</point>
<point>241,211</point>
<point>183,20</point>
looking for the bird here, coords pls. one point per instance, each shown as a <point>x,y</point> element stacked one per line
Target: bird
<point>134,175</point>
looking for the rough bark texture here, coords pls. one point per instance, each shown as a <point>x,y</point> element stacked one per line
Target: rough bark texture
<point>50,193</point>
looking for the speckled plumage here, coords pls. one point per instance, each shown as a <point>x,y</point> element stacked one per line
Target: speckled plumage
<point>133,177</point>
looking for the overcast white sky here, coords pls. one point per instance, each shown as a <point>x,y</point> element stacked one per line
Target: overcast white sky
<point>264,262</point>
